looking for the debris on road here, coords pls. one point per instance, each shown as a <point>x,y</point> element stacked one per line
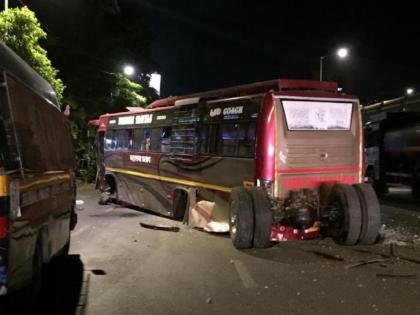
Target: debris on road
<point>209,300</point>
<point>160,227</point>
<point>365,262</point>
<point>393,275</point>
<point>79,202</point>
<point>326,255</point>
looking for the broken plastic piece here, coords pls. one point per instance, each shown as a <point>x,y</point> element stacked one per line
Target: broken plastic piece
<point>160,227</point>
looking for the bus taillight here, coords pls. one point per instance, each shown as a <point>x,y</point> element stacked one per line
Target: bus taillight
<point>3,227</point>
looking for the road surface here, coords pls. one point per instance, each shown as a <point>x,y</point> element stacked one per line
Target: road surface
<point>132,270</point>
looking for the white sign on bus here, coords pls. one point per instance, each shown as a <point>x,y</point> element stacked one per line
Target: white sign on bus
<point>126,120</point>
<point>144,119</point>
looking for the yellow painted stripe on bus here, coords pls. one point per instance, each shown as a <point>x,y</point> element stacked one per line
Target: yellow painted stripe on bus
<point>170,179</point>
<point>4,186</point>
<point>36,183</point>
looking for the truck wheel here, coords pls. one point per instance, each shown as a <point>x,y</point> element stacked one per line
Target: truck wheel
<point>345,214</point>
<point>262,217</point>
<point>241,218</point>
<point>371,214</point>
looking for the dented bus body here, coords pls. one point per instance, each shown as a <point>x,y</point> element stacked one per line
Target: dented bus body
<point>273,160</point>
<point>37,184</point>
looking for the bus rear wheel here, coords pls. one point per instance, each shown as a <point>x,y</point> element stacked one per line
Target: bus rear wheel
<point>241,218</point>
<point>262,217</point>
<point>371,214</point>
<point>345,214</point>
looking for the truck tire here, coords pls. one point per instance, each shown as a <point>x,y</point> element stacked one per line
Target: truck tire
<point>263,218</point>
<point>347,219</point>
<point>241,218</point>
<point>371,214</point>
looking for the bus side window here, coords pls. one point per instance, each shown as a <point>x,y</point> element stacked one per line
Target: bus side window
<point>209,138</point>
<point>145,142</point>
<point>229,135</point>
<point>137,139</point>
<point>166,140</point>
<point>122,139</point>
<point>155,139</point>
<point>110,140</point>
<point>247,139</point>
<point>237,139</point>
<point>204,139</point>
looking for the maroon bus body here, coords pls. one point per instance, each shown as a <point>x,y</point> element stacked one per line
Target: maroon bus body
<point>289,165</point>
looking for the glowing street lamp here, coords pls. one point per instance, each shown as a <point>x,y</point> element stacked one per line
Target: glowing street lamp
<point>409,91</point>
<point>342,53</point>
<point>128,70</point>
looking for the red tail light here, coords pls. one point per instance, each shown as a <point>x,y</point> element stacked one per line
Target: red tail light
<point>3,227</point>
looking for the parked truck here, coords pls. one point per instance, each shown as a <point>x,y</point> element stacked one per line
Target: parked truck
<point>37,183</point>
<point>393,151</point>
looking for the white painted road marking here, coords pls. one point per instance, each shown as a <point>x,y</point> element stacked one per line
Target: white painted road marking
<point>244,274</point>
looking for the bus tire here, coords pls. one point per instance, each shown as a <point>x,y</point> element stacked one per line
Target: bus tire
<point>347,218</point>
<point>371,214</point>
<point>263,218</point>
<point>241,218</point>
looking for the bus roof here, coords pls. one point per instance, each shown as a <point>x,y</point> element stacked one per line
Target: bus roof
<point>17,68</point>
<point>291,86</point>
<point>277,85</point>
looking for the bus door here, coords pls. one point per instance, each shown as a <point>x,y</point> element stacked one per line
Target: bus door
<point>100,160</point>
<point>318,142</point>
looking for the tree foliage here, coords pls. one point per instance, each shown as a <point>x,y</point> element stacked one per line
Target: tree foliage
<point>21,31</point>
<point>125,92</point>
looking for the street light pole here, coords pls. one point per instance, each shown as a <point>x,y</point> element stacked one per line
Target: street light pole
<point>342,53</point>
<point>321,60</point>
<point>6,5</point>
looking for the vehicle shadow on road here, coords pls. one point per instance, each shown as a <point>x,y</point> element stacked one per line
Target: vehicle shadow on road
<point>64,291</point>
<point>62,288</point>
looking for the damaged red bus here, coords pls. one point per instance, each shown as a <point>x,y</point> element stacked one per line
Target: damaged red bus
<point>276,160</point>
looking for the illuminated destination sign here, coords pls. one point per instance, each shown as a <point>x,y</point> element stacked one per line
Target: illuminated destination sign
<point>126,120</point>
<point>141,159</point>
<point>144,119</point>
<point>228,111</point>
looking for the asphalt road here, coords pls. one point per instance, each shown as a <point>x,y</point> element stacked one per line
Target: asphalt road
<point>132,270</point>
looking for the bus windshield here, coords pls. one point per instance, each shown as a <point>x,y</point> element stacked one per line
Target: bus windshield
<point>317,115</point>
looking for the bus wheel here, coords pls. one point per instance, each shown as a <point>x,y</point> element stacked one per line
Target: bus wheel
<point>241,218</point>
<point>262,216</point>
<point>345,214</point>
<point>371,214</point>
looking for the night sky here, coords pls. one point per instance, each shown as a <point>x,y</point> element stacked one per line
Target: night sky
<point>201,45</point>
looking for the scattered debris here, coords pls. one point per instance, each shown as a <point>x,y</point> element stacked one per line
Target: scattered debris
<point>79,202</point>
<point>365,262</point>
<point>160,227</point>
<point>326,255</point>
<point>232,261</point>
<point>393,275</point>
<point>209,300</point>
<point>266,287</point>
